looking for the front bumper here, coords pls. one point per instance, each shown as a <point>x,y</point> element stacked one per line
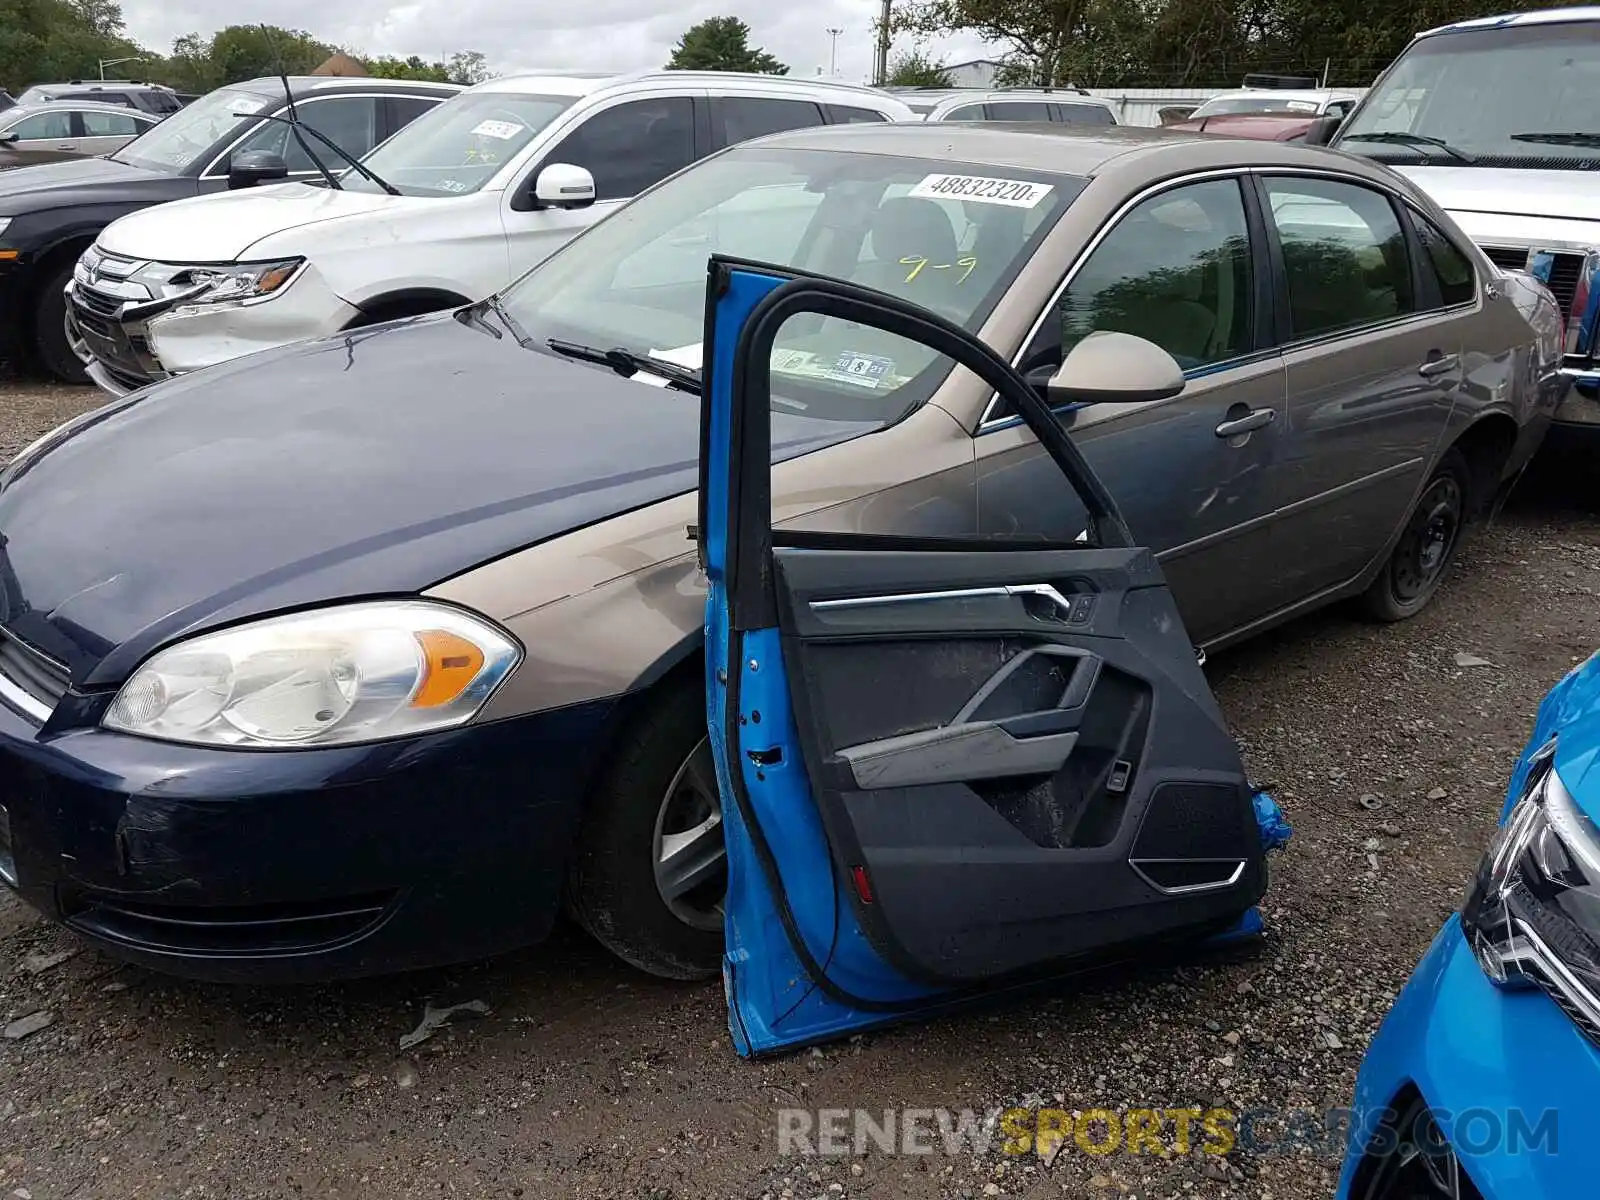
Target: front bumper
<point>297,865</point>
<point>1492,1065</point>
<point>125,354</point>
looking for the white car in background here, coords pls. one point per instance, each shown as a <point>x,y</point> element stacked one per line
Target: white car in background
<point>449,210</point>
<point>1304,102</point>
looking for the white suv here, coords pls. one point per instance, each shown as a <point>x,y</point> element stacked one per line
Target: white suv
<point>456,205</point>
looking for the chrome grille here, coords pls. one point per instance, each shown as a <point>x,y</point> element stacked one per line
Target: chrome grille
<point>1565,269</point>
<point>30,682</point>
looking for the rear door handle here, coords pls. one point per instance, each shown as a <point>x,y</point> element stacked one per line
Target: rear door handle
<point>1256,418</point>
<point>1442,365</point>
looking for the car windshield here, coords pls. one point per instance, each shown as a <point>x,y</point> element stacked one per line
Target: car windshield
<point>1545,80</point>
<point>1230,105</point>
<point>950,236</point>
<point>460,145</point>
<point>173,146</point>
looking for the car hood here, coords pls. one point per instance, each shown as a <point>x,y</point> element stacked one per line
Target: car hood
<point>375,463</point>
<point>85,180</point>
<point>1555,194</point>
<point>224,226</point>
<point>1570,712</point>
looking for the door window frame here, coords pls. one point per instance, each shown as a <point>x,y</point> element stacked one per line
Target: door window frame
<point>1263,298</point>
<point>1424,262</point>
<point>1423,286</point>
<point>134,116</point>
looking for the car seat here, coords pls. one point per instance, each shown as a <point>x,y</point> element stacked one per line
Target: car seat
<point>911,228</point>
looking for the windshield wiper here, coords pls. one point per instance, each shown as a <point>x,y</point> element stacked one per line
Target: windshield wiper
<point>333,180</point>
<point>1419,140</point>
<point>628,364</point>
<point>1559,139</point>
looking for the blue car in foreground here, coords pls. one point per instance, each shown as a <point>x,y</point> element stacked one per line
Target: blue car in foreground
<point>1484,1081</point>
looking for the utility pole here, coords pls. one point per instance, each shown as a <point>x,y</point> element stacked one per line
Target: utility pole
<point>881,74</point>
<point>833,51</point>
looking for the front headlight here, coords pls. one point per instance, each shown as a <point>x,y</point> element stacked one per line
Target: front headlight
<point>236,281</point>
<point>1532,916</point>
<point>356,673</point>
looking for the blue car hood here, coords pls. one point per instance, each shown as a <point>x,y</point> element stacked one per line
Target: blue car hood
<point>1571,712</point>
<point>378,462</point>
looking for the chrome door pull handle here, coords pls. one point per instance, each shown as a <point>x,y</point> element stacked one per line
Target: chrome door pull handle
<point>1257,418</point>
<point>1439,366</point>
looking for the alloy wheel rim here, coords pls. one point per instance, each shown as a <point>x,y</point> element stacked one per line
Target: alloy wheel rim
<point>1429,537</point>
<point>688,854</point>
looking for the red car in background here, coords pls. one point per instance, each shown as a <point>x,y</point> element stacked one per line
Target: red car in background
<point>1267,127</point>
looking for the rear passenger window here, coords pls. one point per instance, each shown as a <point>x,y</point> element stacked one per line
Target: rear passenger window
<point>1084,114</point>
<point>405,109</point>
<point>746,117</point>
<point>632,146</point>
<point>1343,254</point>
<point>843,114</point>
<point>1176,271</point>
<point>110,124</point>
<point>967,112</point>
<point>1451,268</point>
<point>1019,110</point>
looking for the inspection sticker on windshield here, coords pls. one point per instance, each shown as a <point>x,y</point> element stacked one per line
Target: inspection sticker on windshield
<point>504,130</point>
<point>1302,106</point>
<point>1014,193</point>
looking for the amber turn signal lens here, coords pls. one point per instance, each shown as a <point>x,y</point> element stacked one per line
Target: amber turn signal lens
<point>450,664</point>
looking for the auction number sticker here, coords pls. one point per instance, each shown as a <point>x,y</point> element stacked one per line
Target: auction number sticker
<point>1014,193</point>
<point>504,130</point>
<point>867,370</point>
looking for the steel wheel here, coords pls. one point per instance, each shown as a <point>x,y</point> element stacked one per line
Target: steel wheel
<point>691,861</point>
<point>1428,539</point>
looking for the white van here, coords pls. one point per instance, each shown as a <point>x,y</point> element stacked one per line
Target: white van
<point>449,210</point>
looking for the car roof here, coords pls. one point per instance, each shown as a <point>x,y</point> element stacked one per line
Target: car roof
<point>586,83</point>
<point>1318,94</point>
<point>1079,150</point>
<point>79,106</point>
<point>305,85</point>
<point>1547,16</point>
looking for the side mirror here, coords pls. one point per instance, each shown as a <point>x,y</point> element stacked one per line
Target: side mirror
<point>10,138</point>
<point>1114,368</point>
<point>1321,131</point>
<point>250,168</point>
<point>562,185</point>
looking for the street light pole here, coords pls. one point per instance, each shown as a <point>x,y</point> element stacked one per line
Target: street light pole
<point>881,75</point>
<point>115,62</point>
<point>833,51</point>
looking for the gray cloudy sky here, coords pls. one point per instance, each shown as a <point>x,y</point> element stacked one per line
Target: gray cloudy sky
<point>600,34</point>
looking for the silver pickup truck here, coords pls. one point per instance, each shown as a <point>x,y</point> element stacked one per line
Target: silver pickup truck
<point>1498,119</point>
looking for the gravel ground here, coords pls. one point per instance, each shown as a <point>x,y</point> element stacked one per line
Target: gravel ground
<point>587,1079</point>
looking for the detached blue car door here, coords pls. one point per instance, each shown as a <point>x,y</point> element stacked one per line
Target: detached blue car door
<point>948,767</point>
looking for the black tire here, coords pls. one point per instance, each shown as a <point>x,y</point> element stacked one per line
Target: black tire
<point>652,784</point>
<point>1427,544</point>
<point>48,336</point>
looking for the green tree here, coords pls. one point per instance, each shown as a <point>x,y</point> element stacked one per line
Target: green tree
<point>468,67</point>
<point>913,68</point>
<point>722,44</point>
<point>249,51</point>
<point>408,68</point>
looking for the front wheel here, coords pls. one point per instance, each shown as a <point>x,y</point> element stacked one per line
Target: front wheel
<point>649,872</point>
<point>52,344</point>
<point>1427,544</point>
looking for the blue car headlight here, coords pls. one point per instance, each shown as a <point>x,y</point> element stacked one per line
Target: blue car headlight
<point>1532,916</point>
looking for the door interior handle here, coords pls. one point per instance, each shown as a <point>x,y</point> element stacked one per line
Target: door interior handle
<point>1440,365</point>
<point>1256,418</point>
<point>972,747</point>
